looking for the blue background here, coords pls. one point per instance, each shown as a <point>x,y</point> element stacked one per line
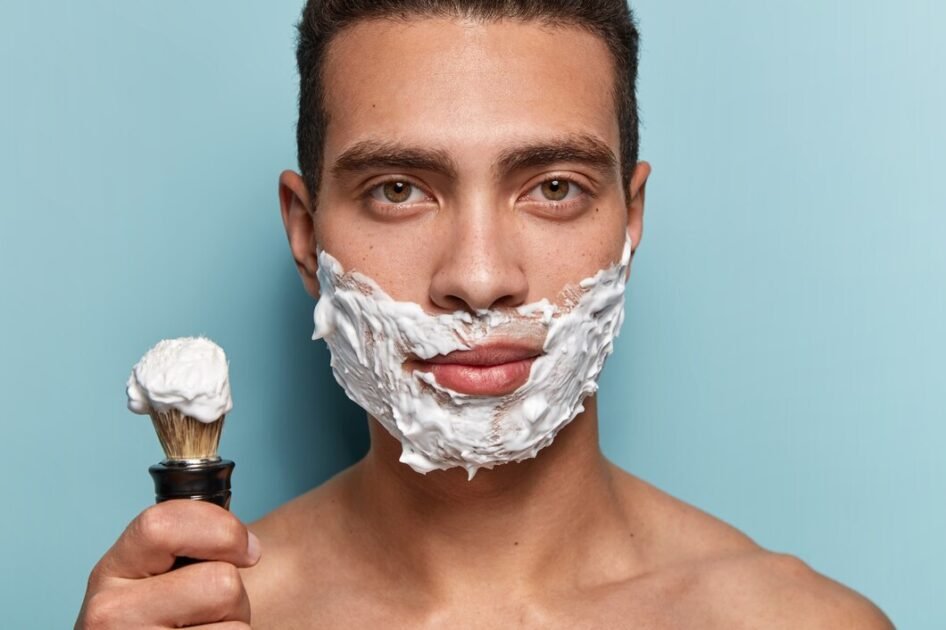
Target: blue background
<point>782,362</point>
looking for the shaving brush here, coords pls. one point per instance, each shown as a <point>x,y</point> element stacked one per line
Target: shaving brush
<point>183,384</point>
<point>192,469</point>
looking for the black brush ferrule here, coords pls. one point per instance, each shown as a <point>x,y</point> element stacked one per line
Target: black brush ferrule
<point>197,480</point>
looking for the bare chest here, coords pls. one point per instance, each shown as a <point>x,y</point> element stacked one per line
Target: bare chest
<point>640,606</point>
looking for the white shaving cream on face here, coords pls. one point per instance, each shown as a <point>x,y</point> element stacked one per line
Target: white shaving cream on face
<point>189,374</point>
<point>370,335</point>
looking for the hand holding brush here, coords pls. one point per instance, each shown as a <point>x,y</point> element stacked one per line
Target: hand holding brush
<point>142,580</point>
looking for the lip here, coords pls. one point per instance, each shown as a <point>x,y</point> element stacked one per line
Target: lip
<point>487,370</point>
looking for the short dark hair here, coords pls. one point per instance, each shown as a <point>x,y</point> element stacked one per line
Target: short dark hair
<point>612,20</point>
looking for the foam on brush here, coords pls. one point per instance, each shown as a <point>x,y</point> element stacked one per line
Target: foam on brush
<point>184,385</point>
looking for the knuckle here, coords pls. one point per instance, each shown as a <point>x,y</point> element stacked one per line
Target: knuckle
<point>102,611</point>
<point>225,582</point>
<point>223,589</point>
<point>789,565</point>
<point>153,523</point>
<point>95,576</point>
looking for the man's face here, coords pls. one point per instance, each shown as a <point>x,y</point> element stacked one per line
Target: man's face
<point>467,167</point>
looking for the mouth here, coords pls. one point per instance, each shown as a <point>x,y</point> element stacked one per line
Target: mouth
<point>487,370</point>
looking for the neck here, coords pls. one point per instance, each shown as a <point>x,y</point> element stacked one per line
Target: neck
<point>532,522</point>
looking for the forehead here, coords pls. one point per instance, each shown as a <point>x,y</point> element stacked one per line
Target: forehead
<point>466,86</point>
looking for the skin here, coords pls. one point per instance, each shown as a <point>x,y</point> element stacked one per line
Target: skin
<point>564,540</point>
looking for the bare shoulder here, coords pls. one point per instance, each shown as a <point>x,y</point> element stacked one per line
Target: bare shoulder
<point>292,522</point>
<point>716,572</point>
<point>764,589</point>
<point>677,533</point>
<point>300,529</point>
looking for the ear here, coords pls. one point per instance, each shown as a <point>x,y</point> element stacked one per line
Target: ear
<point>635,206</point>
<point>300,228</point>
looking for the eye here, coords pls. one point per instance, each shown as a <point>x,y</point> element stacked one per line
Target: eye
<point>396,192</point>
<point>556,190</point>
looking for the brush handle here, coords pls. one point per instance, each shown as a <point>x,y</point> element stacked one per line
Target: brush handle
<point>198,481</point>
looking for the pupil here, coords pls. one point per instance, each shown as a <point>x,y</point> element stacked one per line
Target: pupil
<point>556,189</point>
<point>396,191</point>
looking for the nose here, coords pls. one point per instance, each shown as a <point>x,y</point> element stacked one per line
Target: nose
<point>481,265</point>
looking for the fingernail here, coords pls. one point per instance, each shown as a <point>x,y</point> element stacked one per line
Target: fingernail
<point>253,548</point>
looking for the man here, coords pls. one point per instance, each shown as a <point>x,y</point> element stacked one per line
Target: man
<point>472,158</point>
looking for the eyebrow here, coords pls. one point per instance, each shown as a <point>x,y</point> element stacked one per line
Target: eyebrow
<point>580,148</point>
<point>369,154</point>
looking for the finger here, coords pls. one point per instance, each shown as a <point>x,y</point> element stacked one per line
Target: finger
<point>183,527</point>
<point>207,592</point>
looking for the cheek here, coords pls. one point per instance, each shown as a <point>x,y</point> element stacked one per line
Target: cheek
<point>604,244</point>
<point>394,261</point>
<point>556,255</point>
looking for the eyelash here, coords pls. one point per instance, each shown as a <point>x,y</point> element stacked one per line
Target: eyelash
<point>585,192</point>
<point>386,207</point>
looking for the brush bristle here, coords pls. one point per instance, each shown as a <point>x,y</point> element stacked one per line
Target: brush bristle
<point>183,437</point>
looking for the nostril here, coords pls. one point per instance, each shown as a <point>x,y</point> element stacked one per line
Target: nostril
<point>454,303</point>
<point>508,302</point>
<point>475,303</point>
<point>478,281</point>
